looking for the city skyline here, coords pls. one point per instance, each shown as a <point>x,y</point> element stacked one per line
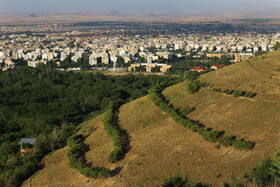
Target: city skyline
<point>133,5</point>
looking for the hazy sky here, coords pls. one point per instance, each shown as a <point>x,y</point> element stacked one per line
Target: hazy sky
<point>135,5</point>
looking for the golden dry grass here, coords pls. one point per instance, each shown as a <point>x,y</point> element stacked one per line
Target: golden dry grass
<point>57,171</point>
<point>160,147</point>
<point>258,75</point>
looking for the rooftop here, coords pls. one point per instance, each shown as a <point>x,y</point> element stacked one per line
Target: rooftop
<point>28,141</point>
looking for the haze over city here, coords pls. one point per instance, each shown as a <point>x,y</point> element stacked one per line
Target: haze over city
<point>136,5</point>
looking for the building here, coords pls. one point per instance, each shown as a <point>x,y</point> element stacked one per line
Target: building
<point>242,56</point>
<point>149,67</point>
<point>199,69</point>
<point>26,144</point>
<point>211,55</point>
<point>126,59</point>
<point>164,68</point>
<point>218,66</point>
<point>32,63</point>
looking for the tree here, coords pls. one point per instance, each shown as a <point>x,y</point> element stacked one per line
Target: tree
<point>234,179</point>
<point>67,60</point>
<point>192,75</point>
<point>176,181</point>
<point>194,86</point>
<point>261,174</point>
<point>275,169</point>
<point>120,61</point>
<point>276,46</point>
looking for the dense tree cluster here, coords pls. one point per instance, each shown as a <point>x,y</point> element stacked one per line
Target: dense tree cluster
<point>47,104</point>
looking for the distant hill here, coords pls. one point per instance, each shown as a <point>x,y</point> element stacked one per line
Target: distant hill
<point>271,16</point>
<point>159,146</point>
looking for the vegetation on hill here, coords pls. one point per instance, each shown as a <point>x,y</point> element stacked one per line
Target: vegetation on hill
<point>207,134</point>
<point>178,181</point>
<point>159,146</point>
<point>47,104</point>
<point>267,172</point>
<point>114,133</point>
<point>77,149</point>
<point>235,93</point>
<point>276,46</point>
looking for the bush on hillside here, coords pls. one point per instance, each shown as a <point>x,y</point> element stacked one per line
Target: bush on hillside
<point>226,91</point>
<point>185,110</point>
<point>248,94</point>
<point>75,143</point>
<point>236,93</point>
<point>209,135</point>
<point>192,75</point>
<point>194,86</point>
<point>114,133</point>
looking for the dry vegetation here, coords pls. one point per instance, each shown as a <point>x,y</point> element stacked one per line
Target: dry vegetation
<point>160,147</point>
<point>258,75</point>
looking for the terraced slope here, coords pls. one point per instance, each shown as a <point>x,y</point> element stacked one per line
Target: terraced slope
<point>259,74</point>
<point>160,147</point>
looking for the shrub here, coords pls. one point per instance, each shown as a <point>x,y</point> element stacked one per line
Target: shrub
<point>114,133</point>
<point>215,89</point>
<point>236,93</point>
<point>217,146</point>
<point>226,141</point>
<point>243,144</point>
<point>76,144</point>
<point>176,180</point>
<point>227,91</point>
<point>194,86</point>
<point>248,94</point>
<point>209,135</point>
<point>261,174</point>
<point>192,75</point>
<point>185,110</point>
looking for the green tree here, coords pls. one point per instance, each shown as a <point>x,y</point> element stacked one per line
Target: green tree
<point>120,61</point>
<point>176,181</point>
<point>275,169</point>
<point>194,86</point>
<point>276,46</point>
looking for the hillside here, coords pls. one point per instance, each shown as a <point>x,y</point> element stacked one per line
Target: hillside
<point>159,146</point>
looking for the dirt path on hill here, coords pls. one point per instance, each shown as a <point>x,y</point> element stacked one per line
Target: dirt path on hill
<point>253,66</point>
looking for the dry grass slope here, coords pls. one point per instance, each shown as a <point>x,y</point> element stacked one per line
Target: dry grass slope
<point>160,147</point>
<point>258,75</point>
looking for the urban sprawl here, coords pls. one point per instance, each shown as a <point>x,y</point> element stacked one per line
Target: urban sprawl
<point>119,49</point>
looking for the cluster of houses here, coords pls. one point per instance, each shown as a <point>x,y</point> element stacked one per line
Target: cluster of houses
<point>201,69</point>
<point>58,46</point>
<point>149,67</point>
